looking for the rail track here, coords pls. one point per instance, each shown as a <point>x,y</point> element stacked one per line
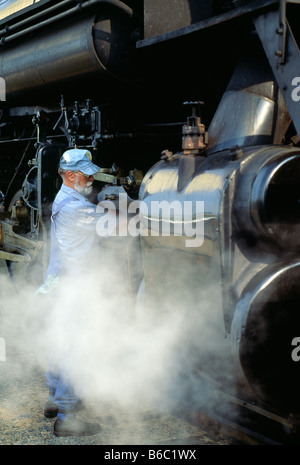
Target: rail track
<point>242,420</point>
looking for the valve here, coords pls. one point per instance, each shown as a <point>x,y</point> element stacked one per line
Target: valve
<point>194,136</point>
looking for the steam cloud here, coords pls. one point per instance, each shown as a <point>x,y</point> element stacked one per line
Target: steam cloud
<point>114,349</point>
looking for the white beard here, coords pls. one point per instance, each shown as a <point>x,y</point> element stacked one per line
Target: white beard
<point>85,191</point>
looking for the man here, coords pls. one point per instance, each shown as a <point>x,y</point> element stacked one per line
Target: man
<point>73,245</point>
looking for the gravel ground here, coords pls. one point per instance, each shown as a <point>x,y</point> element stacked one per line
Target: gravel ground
<point>22,398</point>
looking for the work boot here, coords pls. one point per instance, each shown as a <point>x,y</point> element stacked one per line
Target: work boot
<point>51,408</point>
<point>74,427</point>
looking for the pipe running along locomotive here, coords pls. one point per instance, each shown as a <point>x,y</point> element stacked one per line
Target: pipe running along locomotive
<point>125,79</point>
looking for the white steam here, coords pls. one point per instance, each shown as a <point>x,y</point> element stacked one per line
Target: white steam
<point>111,349</point>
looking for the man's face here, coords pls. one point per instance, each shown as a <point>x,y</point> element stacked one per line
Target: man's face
<point>83,183</point>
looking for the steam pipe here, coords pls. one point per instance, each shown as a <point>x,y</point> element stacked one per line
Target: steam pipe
<point>34,17</point>
<point>77,8</point>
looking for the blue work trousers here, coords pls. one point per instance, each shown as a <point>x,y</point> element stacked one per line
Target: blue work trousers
<point>61,393</point>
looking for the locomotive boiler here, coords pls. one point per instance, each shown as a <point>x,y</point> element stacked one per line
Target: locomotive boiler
<point>128,80</point>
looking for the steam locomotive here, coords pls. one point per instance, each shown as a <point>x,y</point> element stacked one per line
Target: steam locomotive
<point>134,82</point>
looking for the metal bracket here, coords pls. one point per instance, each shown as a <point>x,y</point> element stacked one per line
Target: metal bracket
<point>281,31</point>
<point>15,247</point>
<point>288,66</point>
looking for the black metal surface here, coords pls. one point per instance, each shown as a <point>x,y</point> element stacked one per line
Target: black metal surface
<point>205,24</point>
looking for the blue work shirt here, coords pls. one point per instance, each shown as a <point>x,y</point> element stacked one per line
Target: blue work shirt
<point>73,233</point>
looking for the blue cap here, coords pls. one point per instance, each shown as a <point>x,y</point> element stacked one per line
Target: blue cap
<point>78,160</point>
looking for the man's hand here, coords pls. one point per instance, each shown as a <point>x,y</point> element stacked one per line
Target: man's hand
<point>51,283</point>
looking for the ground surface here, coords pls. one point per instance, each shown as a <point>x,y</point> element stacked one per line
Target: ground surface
<point>22,398</point>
